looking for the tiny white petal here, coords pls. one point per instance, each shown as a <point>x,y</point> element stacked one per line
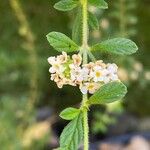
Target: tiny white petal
<point>71,66</point>
<point>114,77</point>
<point>79,78</point>
<point>52,70</point>
<point>51,60</point>
<point>112,68</point>
<point>92,91</point>
<point>106,79</point>
<point>96,68</point>
<point>83,89</point>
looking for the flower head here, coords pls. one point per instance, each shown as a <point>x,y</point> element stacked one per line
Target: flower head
<point>66,70</point>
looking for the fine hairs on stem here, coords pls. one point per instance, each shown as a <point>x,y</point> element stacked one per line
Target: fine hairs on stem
<point>84,47</point>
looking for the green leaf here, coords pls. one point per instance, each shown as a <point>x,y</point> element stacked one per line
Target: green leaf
<point>66,5</point>
<point>69,113</point>
<point>77,30</point>
<point>93,22</point>
<point>61,42</point>
<point>120,46</point>
<point>99,3</point>
<point>72,134</point>
<point>109,93</point>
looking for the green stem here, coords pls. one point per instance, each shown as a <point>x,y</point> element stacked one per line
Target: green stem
<point>85,124</point>
<point>85,60</point>
<point>85,24</point>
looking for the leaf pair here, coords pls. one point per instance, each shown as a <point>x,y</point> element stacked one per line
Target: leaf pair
<point>67,5</point>
<point>107,93</point>
<point>120,46</point>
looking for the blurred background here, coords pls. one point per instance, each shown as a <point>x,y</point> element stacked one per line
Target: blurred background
<point>30,102</point>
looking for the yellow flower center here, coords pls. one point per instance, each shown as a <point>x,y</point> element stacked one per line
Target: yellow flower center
<point>98,74</point>
<point>91,86</point>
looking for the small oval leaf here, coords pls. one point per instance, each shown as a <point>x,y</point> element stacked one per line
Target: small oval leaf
<point>93,22</point>
<point>99,3</point>
<point>69,113</point>
<point>66,5</point>
<point>120,46</point>
<point>61,42</point>
<point>77,30</point>
<point>108,93</point>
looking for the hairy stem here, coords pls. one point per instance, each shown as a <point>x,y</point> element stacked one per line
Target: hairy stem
<point>85,24</point>
<point>85,60</point>
<point>85,124</point>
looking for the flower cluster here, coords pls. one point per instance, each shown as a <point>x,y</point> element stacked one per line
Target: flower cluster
<point>89,77</point>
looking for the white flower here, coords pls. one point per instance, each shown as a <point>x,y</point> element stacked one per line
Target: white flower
<point>112,68</point>
<point>89,87</point>
<point>77,59</point>
<point>55,77</point>
<point>110,77</point>
<point>79,74</point>
<point>57,68</point>
<point>76,73</point>
<point>89,65</point>
<point>60,84</point>
<point>85,73</point>
<point>83,88</point>
<point>114,77</point>
<point>98,73</point>
<point>100,63</point>
<point>111,73</point>
<point>62,58</point>
<point>51,60</point>
<point>68,81</point>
